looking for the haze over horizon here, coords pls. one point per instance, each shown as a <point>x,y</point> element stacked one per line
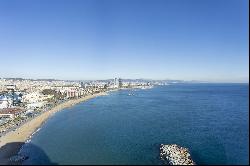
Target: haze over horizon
<point>95,39</point>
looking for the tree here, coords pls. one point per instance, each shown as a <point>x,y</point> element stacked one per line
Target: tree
<point>57,95</point>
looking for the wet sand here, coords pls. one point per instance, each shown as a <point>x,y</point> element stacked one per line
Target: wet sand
<point>7,146</point>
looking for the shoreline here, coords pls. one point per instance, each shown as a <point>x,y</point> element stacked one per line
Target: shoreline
<point>12,141</point>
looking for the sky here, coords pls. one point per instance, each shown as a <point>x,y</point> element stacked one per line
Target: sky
<point>205,40</point>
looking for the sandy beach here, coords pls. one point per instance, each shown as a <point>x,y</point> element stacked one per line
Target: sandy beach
<point>12,141</point>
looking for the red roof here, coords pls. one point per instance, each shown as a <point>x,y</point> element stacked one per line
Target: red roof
<point>11,110</point>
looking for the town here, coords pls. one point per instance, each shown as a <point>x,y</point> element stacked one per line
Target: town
<point>23,99</point>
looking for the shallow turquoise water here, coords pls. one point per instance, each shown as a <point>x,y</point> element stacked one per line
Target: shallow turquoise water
<point>209,119</point>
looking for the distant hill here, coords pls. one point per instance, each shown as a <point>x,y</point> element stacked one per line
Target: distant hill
<point>165,81</point>
<point>21,79</point>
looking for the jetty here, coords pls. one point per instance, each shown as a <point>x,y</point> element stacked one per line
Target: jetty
<point>175,155</point>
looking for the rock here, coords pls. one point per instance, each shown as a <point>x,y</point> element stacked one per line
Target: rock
<point>18,158</point>
<point>175,155</point>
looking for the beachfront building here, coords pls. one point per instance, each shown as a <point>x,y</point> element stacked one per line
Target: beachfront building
<point>69,91</point>
<point>10,113</point>
<point>36,105</point>
<point>35,97</point>
<point>117,83</point>
<point>126,84</point>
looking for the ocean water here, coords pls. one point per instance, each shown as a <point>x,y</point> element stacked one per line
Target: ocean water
<point>211,120</point>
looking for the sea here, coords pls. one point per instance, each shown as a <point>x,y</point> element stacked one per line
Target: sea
<point>128,126</point>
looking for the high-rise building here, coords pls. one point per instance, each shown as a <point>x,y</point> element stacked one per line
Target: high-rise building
<point>81,84</point>
<point>117,83</point>
<point>120,83</point>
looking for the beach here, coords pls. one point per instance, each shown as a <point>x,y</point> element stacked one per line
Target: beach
<point>13,141</point>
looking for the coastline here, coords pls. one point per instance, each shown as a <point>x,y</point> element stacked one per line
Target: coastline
<point>23,133</point>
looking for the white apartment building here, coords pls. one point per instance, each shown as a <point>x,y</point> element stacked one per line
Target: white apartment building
<point>35,97</point>
<point>6,102</point>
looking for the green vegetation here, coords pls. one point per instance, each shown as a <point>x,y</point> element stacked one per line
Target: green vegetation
<point>56,95</point>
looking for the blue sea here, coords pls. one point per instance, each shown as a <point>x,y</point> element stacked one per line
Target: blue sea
<point>211,120</point>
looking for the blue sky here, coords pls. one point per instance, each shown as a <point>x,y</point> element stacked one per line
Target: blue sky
<point>98,39</point>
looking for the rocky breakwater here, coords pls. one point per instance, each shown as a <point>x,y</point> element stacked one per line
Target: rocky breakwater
<point>18,158</point>
<point>175,155</point>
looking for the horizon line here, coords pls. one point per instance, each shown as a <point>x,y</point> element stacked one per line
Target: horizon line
<point>167,79</point>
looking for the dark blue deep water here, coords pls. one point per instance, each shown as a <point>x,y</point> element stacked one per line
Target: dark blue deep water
<point>209,119</point>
